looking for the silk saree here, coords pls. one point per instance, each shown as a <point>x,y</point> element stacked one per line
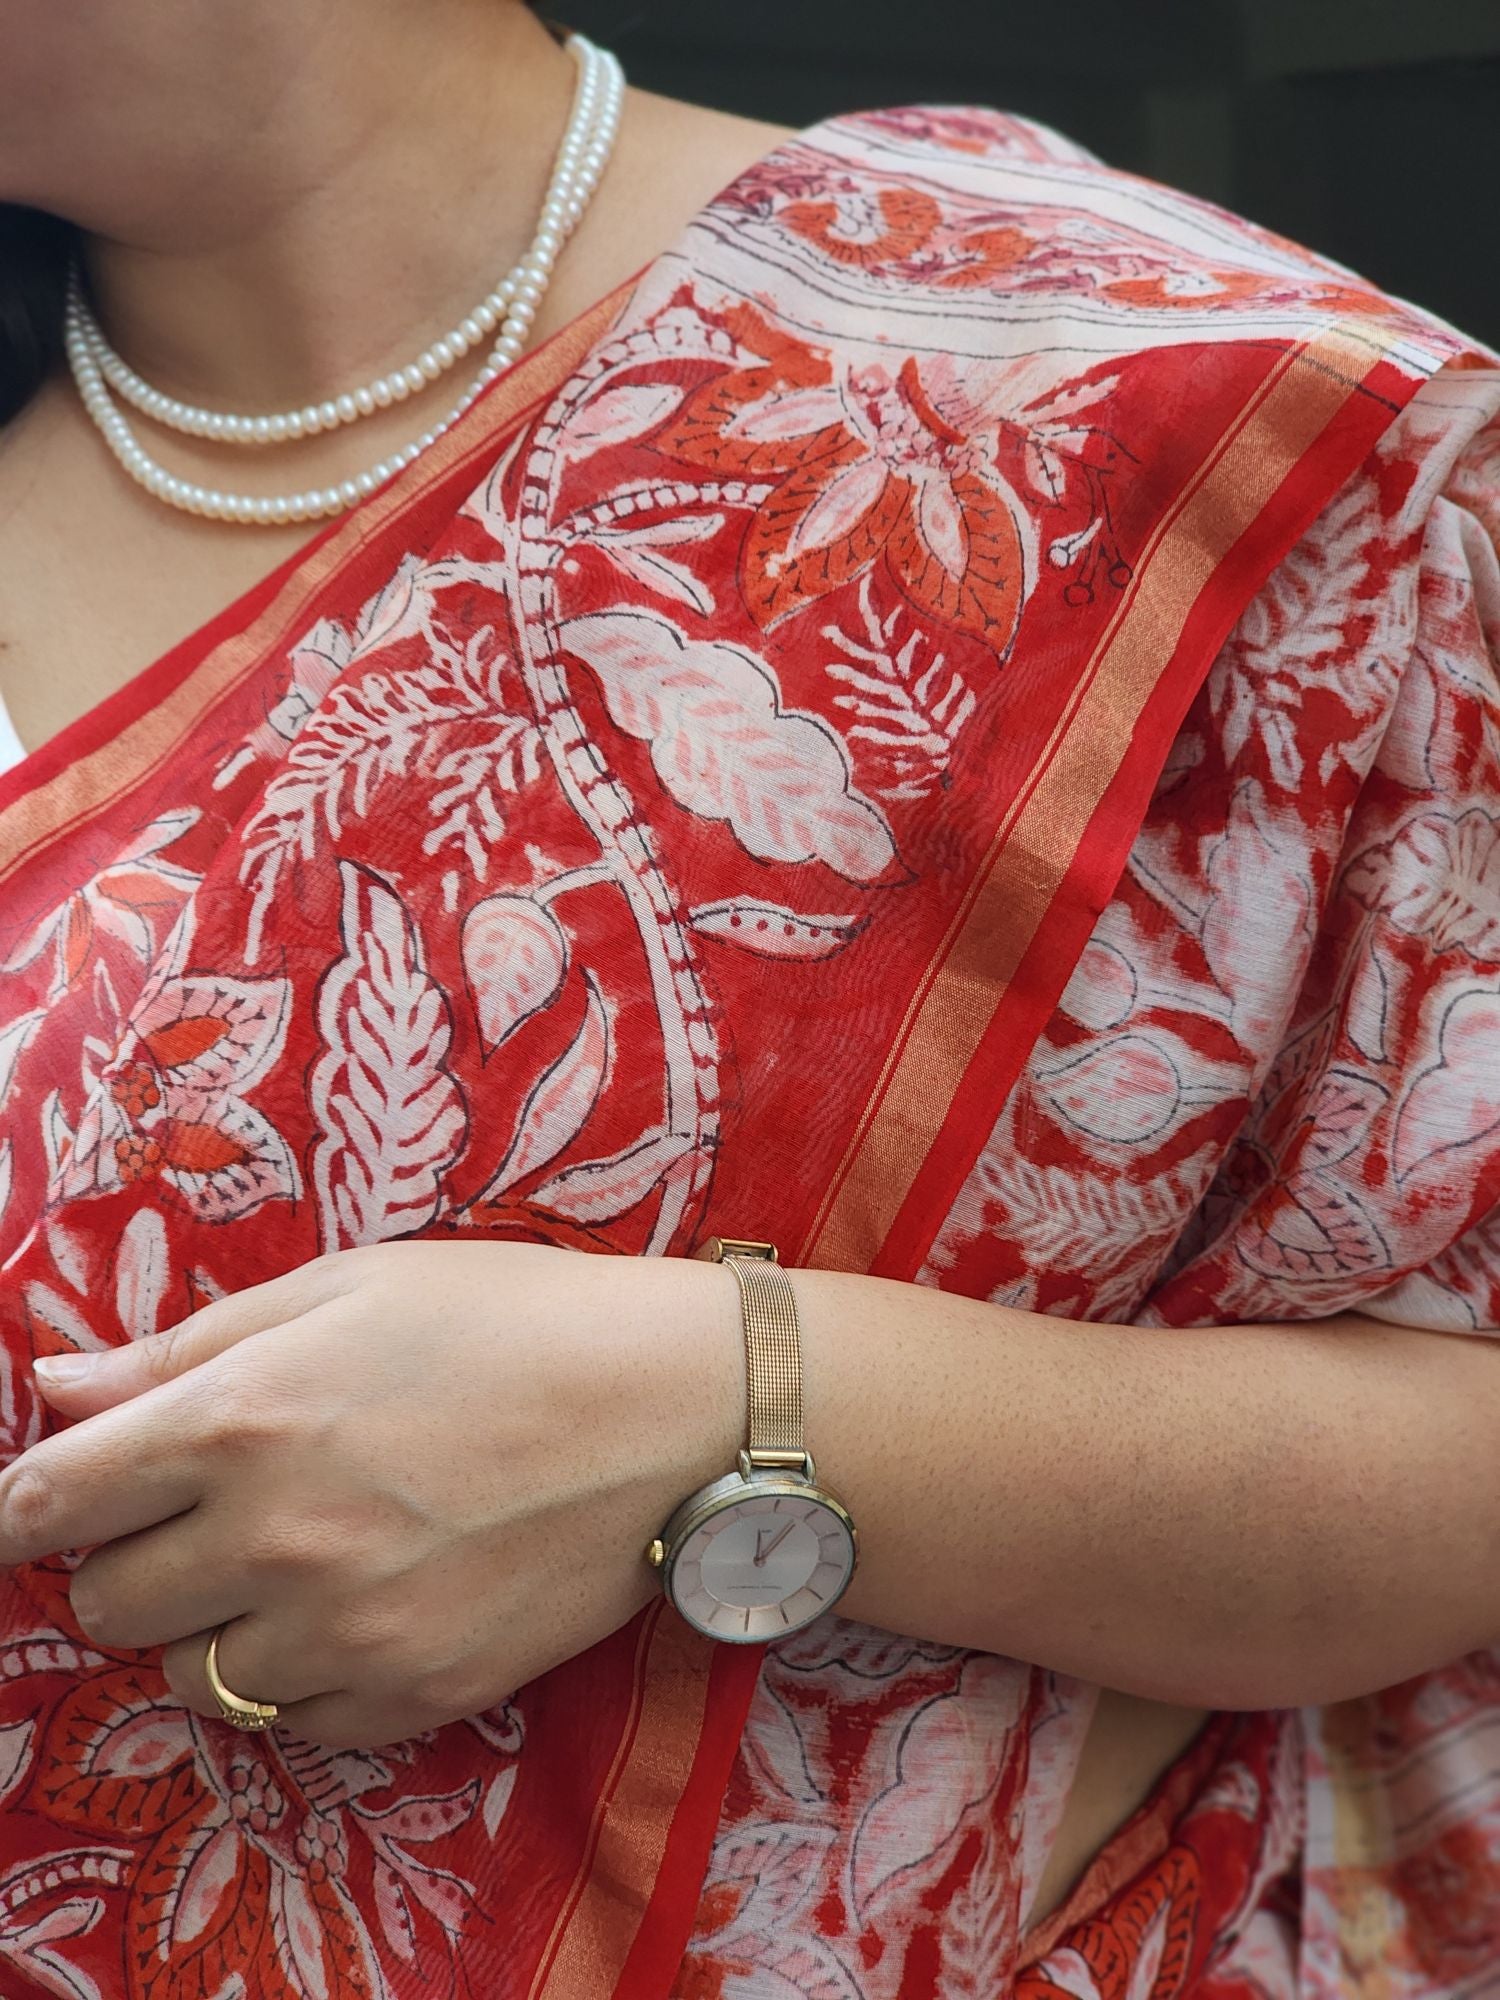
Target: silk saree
<point>950,724</point>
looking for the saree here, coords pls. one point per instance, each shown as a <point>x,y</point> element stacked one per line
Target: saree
<point>950,724</point>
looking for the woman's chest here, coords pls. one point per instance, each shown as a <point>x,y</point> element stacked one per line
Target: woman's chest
<point>97,581</point>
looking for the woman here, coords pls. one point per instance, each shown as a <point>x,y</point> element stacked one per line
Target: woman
<point>940,714</point>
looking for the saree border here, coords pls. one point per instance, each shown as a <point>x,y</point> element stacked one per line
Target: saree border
<point>122,741</point>
<point>1060,848</point>
<point>628,1912</point>
<point>659,1807</point>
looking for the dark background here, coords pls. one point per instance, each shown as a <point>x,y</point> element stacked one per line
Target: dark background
<point>1368,129</point>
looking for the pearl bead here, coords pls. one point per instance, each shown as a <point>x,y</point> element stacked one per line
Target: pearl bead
<point>511,306</point>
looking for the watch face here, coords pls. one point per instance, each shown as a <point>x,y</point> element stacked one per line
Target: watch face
<point>763,1563</point>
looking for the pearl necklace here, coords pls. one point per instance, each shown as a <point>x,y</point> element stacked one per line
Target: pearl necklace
<point>511,306</point>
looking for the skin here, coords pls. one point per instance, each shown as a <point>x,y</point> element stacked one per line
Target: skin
<point>452,1454</point>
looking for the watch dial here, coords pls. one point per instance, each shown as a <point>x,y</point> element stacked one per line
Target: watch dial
<point>763,1567</point>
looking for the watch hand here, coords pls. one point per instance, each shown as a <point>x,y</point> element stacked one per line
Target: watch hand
<point>762,1555</point>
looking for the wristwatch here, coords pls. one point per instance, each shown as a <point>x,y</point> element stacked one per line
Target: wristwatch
<point>766,1549</point>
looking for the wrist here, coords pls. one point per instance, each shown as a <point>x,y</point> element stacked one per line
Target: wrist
<point>762,1546</point>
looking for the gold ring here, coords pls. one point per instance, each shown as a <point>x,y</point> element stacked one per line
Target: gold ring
<point>234,1707</point>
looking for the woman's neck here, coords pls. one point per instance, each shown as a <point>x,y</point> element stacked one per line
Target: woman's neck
<point>383,189</point>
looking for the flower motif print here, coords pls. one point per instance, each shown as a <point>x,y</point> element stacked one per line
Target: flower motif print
<point>170,1107</point>
<point>876,461</point>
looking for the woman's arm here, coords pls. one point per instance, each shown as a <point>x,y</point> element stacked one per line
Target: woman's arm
<point>474,1441</point>
<point>1237,1517</point>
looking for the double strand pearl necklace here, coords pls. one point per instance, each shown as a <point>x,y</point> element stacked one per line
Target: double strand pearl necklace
<point>512,306</point>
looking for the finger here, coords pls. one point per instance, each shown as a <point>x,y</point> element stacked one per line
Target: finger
<point>111,1475</point>
<point>158,1586</point>
<point>81,1385</point>
<point>258,1661</point>
<point>349,1722</point>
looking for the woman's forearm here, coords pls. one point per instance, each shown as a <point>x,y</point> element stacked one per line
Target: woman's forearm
<point>1238,1517</point>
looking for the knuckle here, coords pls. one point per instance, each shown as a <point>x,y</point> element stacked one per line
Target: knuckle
<point>292,1545</point>
<point>28,1507</point>
<point>165,1356</point>
<point>368,1632</point>
<point>242,1421</point>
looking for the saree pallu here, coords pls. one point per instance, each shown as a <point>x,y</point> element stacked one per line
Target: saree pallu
<point>950,724</point>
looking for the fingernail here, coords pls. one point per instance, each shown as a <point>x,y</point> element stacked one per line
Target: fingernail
<point>61,1369</point>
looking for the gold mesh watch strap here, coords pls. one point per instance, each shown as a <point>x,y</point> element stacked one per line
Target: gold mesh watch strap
<point>773,1350</point>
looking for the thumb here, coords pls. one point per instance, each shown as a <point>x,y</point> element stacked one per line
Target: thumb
<point>81,1385</point>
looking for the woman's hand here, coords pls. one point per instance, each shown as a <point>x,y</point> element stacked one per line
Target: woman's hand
<point>409,1478</point>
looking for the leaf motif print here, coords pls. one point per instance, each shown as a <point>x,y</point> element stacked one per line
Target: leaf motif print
<point>1341,1115</point>
<point>141,1273</point>
<point>208,1870</point>
<point>497,1798</point>
<point>618,415</point>
<point>979,1928</point>
<point>318,1939</point>
<point>562,1099</point>
<point>214,1034</point>
<point>1314,1229</point>
<point>50,1310</point>
<point>121,1756</point>
<point>1439,879</point>
<point>773,932</point>
<point>724,747</point>
<point>366,732</point>
<point>13,1039</point>
<point>1103,989</point>
<point>515,956</point>
<point>775,1868</point>
<point>16,1739</point>
<point>197,1916</point>
<point>600,1190</point>
<point>660,574</point>
<point>908,715</point>
<point>1456,1102</point>
<point>911,1824</point>
<point>217,1167</point>
<point>803,1969</point>
<point>28,1945</point>
<point>390,1114</point>
<point>636,551</point>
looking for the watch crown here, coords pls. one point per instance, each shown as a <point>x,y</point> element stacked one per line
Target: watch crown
<point>656,1552</point>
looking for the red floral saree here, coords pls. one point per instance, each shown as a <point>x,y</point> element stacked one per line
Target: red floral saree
<point>951,724</point>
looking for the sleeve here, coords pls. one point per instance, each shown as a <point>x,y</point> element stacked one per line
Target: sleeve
<point>1366,1173</point>
<point>1271,1090</point>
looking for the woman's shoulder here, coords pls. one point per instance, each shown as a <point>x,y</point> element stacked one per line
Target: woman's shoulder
<point>999,222</point>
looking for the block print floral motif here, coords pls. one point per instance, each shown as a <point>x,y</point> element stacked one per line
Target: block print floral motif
<point>734,578</point>
<point>252,1850</point>
<point>171,1106</point>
